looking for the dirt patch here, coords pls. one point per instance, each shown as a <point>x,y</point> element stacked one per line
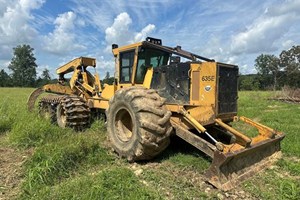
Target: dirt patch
<point>11,171</point>
<point>293,159</point>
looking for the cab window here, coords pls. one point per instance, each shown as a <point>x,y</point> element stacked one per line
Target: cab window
<point>149,58</point>
<point>141,68</point>
<point>126,63</point>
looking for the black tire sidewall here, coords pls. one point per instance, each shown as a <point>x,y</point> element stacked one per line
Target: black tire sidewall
<point>123,147</point>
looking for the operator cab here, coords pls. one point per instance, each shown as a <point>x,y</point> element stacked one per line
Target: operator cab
<point>133,61</point>
<point>147,57</point>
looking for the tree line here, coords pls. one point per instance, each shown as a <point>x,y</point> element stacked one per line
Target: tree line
<point>23,70</point>
<point>273,72</point>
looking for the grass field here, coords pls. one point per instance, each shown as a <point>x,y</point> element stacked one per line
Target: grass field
<point>41,161</point>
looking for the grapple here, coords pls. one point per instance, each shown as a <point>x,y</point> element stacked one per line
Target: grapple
<point>33,97</point>
<point>237,160</point>
<point>49,88</point>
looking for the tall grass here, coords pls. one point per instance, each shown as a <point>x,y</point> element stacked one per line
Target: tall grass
<point>71,165</point>
<point>114,183</point>
<point>55,161</point>
<point>273,184</point>
<point>25,129</point>
<point>278,115</point>
<point>60,155</point>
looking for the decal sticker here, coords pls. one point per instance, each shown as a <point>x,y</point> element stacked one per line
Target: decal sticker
<point>208,78</point>
<point>207,88</point>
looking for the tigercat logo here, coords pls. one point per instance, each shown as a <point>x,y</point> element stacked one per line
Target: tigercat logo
<point>207,88</point>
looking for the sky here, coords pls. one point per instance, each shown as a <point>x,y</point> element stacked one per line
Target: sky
<point>232,31</point>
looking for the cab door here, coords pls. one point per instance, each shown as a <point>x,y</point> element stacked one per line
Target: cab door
<point>127,63</point>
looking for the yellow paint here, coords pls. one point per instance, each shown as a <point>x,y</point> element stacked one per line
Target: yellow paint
<point>72,65</point>
<point>148,77</point>
<point>136,52</point>
<point>97,83</point>
<point>173,108</point>
<point>192,120</point>
<point>98,103</point>
<point>203,101</point>
<point>57,88</point>
<point>208,78</point>
<point>108,91</point>
<point>203,114</point>
<point>117,51</point>
<point>74,78</point>
<point>200,112</point>
<point>88,87</point>
<point>84,77</point>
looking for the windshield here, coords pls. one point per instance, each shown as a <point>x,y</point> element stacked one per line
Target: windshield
<point>149,58</point>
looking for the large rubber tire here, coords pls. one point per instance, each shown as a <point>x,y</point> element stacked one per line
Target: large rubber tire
<point>47,107</point>
<point>138,123</point>
<point>47,111</point>
<point>73,112</point>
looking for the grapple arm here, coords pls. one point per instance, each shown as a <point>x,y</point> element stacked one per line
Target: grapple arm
<point>50,88</point>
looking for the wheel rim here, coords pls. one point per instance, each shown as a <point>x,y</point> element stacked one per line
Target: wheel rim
<point>123,125</point>
<point>47,112</point>
<point>47,115</point>
<point>63,117</point>
<point>44,111</point>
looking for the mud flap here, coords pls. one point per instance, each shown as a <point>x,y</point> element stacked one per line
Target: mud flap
<point>230,169</point>
<point>33,97</point>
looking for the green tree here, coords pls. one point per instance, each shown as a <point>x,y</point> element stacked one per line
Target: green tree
<point>267,64</point>
<point>43,79</point>
<point>107,75</point>
<point>290,62</point>
<point>108,80</point>
<point>4,79</point>
<point>46,75</point>
<point>249,82</point>
<point>23,66</point>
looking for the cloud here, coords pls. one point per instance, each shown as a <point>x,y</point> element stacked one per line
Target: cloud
<point>4,65</point>
<point>144,33</point>
<point>100,14</point>
<point>15,28</point>
<point>63,39</point>
<point>121,33</point>
<point>41,68</point>
<point>6,51</point>
<point>288,6</point>
<point>287,44</point>
<point>266,30</point>
<point>105,65</point>
<point>214,29</point>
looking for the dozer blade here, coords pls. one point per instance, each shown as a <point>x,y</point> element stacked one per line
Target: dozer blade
<point>230,169</point>
<point>236,158</point>
<point>33,97</point>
